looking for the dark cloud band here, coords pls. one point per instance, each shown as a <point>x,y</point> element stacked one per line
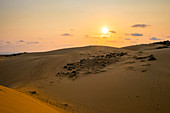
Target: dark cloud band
<point>140,25</point>
<point>66,34</point>
<point>137,34</point>
<point>154,38</point>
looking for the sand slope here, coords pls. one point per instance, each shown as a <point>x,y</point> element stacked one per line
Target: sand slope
<point>106,80</point>
<point>12,101</point>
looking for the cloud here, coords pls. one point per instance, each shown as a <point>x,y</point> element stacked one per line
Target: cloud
<point>168,36</point>
<point>140,25</point>
<point>1,42</point>
<point>112,31</point>
<point>127,39</point>
<point>87,36</point>
<point>105,37</point>
<point>21,41</point>
<point>136,34</point>
<point>133,42</point>
<point>32,42</point>
<point>8,42</point>
<point>5,42</point>
<point>127,34</point>
<point>66,34</point>
<point>154,38</point>
<point>40,38</point>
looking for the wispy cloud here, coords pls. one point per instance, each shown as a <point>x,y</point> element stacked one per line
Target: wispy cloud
<point>32,42</point>
<point>133,42</point>
<point>66,34</point>
<point>112,31</point>
<point>87,36</point>
<point>8,42</point>
<point>168,36</point>
<point>140,25</point>
<point>136,34</point>
<point>40,38</point>
<point>127,39</point>
<point>21,41</point>
<point>105,37</point>
<point>154,38</point>
<point>1,42</point>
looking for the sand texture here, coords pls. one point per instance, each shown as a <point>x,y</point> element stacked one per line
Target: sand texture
<point>91,79</point>
<point>12,101</point>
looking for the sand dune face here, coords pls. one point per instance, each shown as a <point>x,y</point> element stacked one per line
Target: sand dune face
<point>36,66</point>
<point>12,101</point>
<point>95,79</point>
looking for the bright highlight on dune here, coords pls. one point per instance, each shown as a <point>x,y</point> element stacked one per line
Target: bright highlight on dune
<point>105,30</point>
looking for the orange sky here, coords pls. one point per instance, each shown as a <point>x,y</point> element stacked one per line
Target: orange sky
<point>42,25</point>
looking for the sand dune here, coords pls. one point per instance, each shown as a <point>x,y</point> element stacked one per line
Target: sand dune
<point>94,79</point>
<point>12,101</point>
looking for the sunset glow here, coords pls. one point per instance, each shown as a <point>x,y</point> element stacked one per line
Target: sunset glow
<point>85,56</point>
<point>105,30</point>
<point>42,25</point>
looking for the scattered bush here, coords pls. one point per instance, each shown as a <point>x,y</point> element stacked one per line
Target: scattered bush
<point>161,47</point>
<point>151,58</point>
<point>163,42</point>
<point>32,92</point>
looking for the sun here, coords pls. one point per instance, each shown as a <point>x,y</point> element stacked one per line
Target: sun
<point>105,30</point>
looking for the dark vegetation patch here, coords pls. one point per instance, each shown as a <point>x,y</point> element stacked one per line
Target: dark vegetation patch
<point>142,60</point>
<point>161,47</point>
<point>146,64</point>
<point>11,55</point>
<point>144,70</point>
<point>2,90</point>
<point>167,43</point>
<point>149,58</point>
<point>32,92</point>
<point>65,105</point>
<point>94,64</point>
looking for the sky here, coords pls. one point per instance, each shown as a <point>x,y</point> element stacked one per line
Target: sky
<point>44,25</point>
